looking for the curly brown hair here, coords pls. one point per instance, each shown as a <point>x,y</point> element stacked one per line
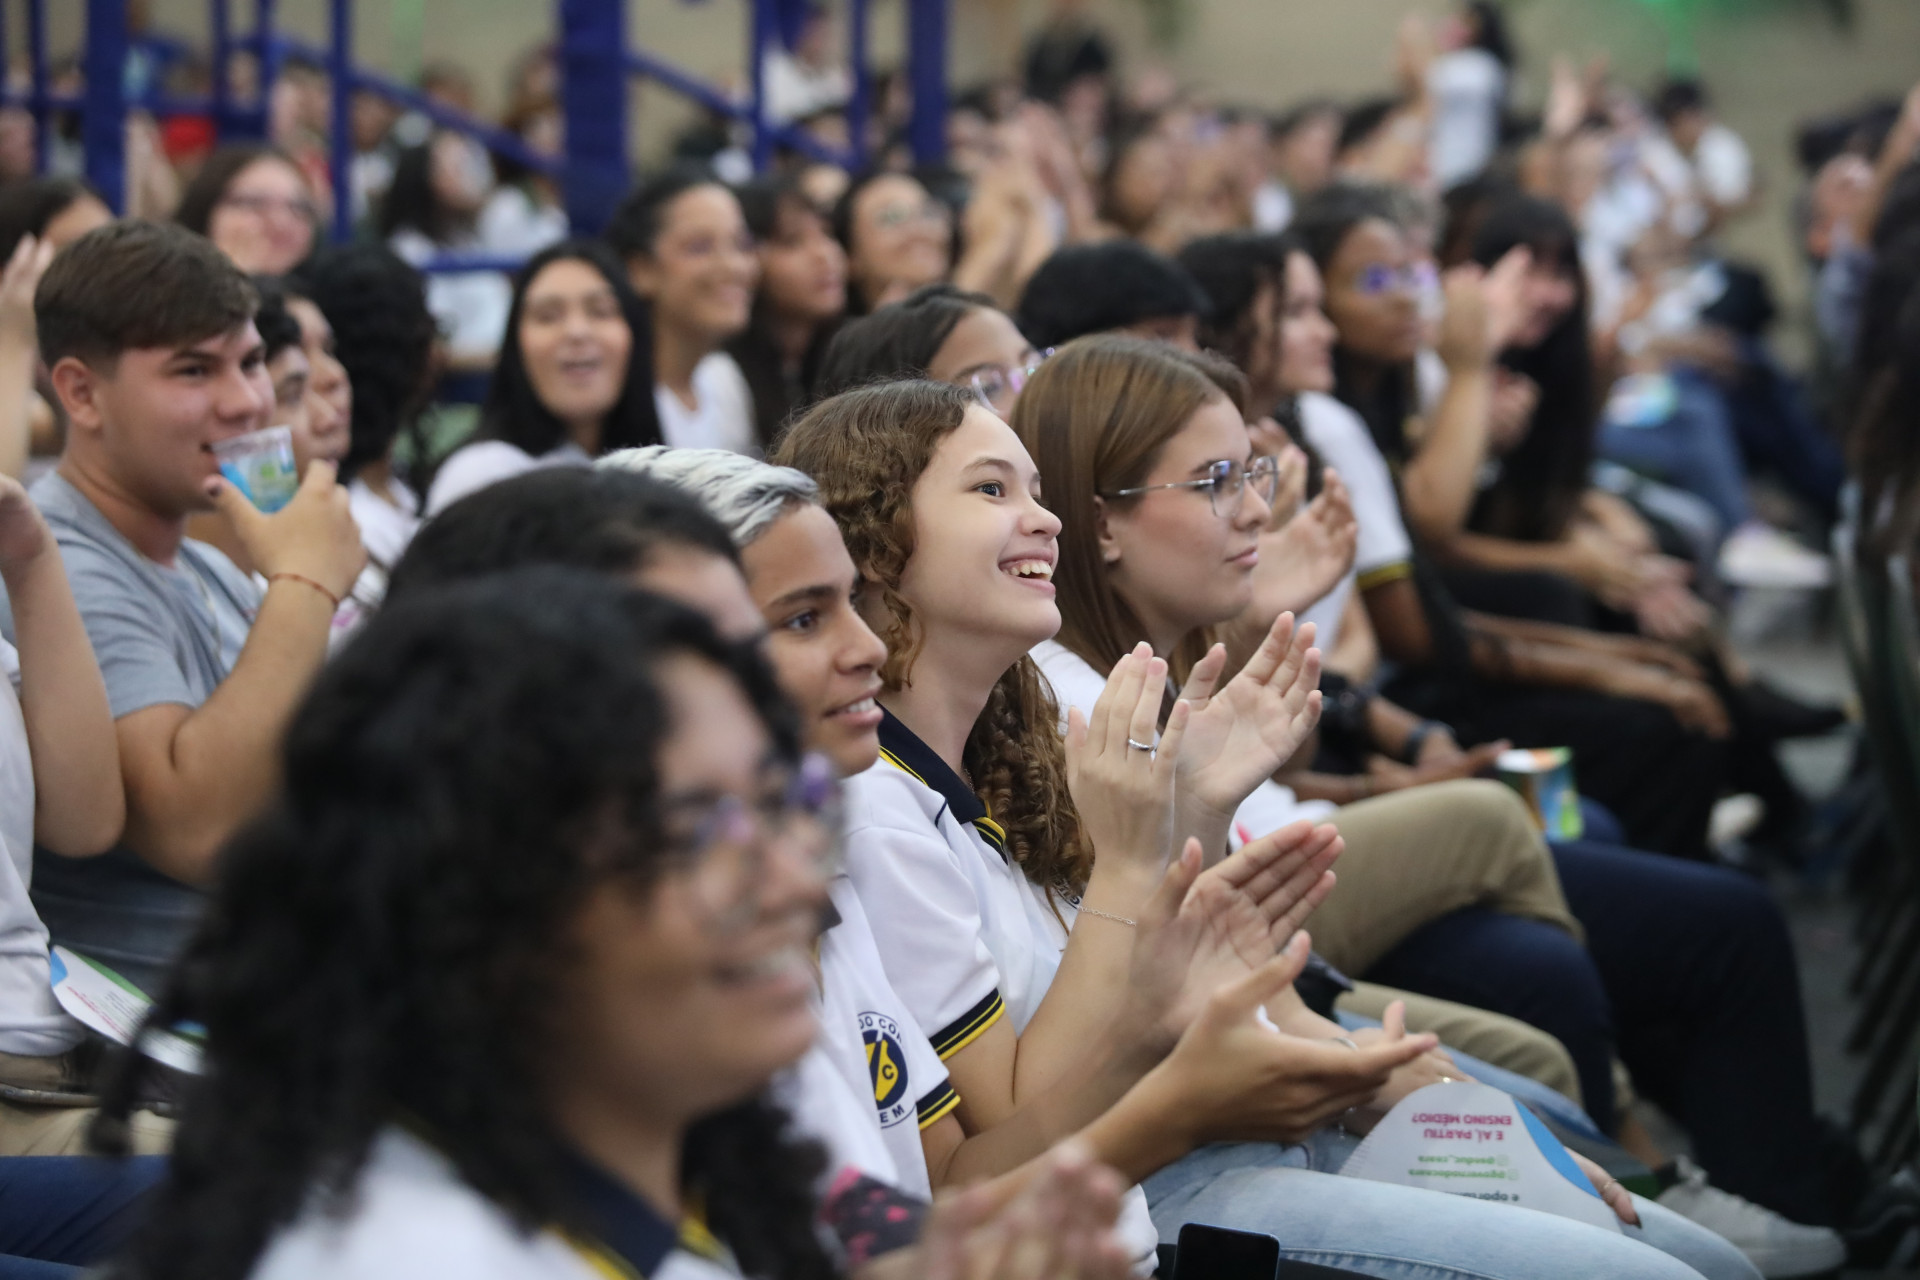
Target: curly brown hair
<point>866,448</point>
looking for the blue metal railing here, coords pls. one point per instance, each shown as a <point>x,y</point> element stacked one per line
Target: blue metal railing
<point>597,67</point>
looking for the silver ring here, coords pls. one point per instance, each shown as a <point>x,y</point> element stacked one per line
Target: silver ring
<point>1139,746</point>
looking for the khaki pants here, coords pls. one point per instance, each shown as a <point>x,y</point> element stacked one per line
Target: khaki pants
<point>31,1129</point>
<point>1416,855</point>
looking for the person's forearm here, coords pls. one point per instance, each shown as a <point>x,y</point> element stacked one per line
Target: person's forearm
<point>1440,481</point>
<point>1520,661</point>
<point>226,755</point>
<point>1339,788</point>
<point>1502,555</point>
<point>1088,988</point>
<point>1625,647</point>
<point>79,805</point>
<point>1079,1099</point>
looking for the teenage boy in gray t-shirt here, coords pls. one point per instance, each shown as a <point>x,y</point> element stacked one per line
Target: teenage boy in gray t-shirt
<point>147,332</point>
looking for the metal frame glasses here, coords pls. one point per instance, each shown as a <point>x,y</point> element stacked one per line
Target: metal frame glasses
<point>995,387</point>
<point>1224,482</point>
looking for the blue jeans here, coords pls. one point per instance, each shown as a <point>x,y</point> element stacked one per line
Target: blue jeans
<point>59,1214</point>
<point>1696,448</point>
<point>1405,1233</point>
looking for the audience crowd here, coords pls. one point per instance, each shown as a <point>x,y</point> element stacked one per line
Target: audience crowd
<point>941,721</point>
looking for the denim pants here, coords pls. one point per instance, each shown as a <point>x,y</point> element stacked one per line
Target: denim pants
<point>1406,1233</point>
<point>1695,448</point>
<point>59,1214</point>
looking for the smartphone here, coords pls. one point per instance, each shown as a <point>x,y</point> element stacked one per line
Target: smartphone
<point>1215,1253</point>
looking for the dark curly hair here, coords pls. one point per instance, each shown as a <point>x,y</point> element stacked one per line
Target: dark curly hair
<point>866,448</point>
<point>383,334</point>
<point>387,941</point>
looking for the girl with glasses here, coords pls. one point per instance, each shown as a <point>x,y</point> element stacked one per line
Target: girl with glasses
<point>256,206</point>
<point>1003,898</point>
<point>941,333</point>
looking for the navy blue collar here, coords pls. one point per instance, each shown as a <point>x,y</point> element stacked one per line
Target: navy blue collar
<point>902,748</point>
<point>626,1230</point>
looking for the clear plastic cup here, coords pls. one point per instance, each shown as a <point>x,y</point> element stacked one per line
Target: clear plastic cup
<point>260,464</point>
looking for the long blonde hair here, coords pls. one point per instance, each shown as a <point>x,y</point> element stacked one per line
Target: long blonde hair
<point>866,448</point>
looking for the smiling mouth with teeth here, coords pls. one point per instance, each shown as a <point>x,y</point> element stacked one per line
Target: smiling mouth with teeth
<point>1031,569</point>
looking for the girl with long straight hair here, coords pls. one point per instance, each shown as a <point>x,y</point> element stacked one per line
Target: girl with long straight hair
<point>1002,893</point>
<point>574,379</point>
<point>1740,1023</point>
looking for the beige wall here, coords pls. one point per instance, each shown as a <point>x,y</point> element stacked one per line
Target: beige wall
<point>1768,70</point>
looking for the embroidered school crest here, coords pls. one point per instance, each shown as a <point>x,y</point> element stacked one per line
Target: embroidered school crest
<point>887,1067</point>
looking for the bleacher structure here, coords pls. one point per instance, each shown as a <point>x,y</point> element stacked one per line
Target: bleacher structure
<point>598,65</point>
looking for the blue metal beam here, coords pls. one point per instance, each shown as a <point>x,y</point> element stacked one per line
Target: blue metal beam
<point>761,34</point>
<point>507,143</point>
<point>340,156</point>
<point>103,130</point>
<point>593,94</point>
<point>860,104</point>
<point>927,74</point>
<point>37,81</point>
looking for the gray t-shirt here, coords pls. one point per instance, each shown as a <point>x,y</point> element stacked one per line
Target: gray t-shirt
<point>161,635</point>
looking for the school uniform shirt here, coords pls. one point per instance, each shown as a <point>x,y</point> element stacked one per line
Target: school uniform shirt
<point>1382,552</point>
<point>412,1215</point>
<point>472,467</point>
<point>872,1080</point>
<point>1270,807</point>
<point>965,938</point>
<point>722,416</point>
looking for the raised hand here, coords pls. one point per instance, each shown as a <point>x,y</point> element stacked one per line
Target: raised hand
<point>1239,735</point>
<point>1124,793</point>
<point>1204,930</point>
<point>1300,561</point>
<point>17,285</point>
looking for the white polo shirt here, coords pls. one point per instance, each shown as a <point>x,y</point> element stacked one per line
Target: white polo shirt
<point>964,936</point>
<point>1383,551</point>
<point>872,1081</point>
<point>413,1215</point>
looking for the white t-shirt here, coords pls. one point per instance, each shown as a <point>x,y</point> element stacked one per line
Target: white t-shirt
<point>1723,165</point>
<point>470,307</point>
<point>472,467</point>
<point>413,1216</point>
<point>31,1022</point>
<point>1467,87</point>
<point>1076,684</point>
<point>1382,551</point>
<point>964,936</point>
<point>723,414</point>
<point>872,1081</point>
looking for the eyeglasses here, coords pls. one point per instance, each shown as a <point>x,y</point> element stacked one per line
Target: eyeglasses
<point>933,213</point>
<point>261,205</point>
<point>723,843</point>
<point>1223,482</point>
<point>1376,280</point>
<point>998,386</point>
